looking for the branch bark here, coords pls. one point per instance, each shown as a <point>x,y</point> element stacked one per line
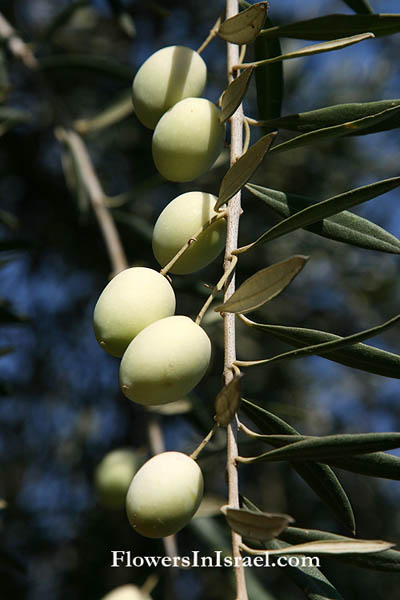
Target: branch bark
<point>233,216</point>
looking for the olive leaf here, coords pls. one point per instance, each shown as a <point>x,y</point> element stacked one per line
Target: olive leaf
<point>241,171</point>
<point>227,401</point>
<point>315,49</point>
<point>255,525</point>
<point>244,27</point>
<point>324,447</point>
<point>345,227</point>
<point>263,286</point>
<point>318,476</point>
<point>376,464</point>
<point>234,94</point>
<point>328,547</point>
<point>332,26</point>
<point>326,208</point>
<point>358,355</point>
<point>362,7</point>
<point>269,78</point>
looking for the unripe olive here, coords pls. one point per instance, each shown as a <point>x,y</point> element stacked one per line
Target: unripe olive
<point>165,78</point>
<point>165,361</point>
<point>126,592</point>
<point>188,139</point>
<point>113,476</point>
<point>180,220</point>
<point>164,494</point>
<point>132,300</point>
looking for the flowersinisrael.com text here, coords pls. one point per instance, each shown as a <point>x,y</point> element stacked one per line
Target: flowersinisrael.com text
<point>126,558</point>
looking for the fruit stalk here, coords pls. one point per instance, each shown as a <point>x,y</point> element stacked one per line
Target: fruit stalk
<point>233,217</point>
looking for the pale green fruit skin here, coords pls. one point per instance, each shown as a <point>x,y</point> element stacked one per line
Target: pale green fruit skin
<point>126,592</point>
<point>164,494</point>
<point>132,300</point>
<point>188,139</point>
<point>165,361</point>
<point>180,220</point>
<point>165,78</point>
<point>113,476</point>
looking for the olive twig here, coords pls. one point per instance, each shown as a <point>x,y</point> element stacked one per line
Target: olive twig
<point>217,289</point>
<point>204,442</point>
<point>213,32</point>
<point>191,241</point>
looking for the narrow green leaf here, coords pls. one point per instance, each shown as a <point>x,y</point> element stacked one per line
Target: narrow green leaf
<point>62,18</point>
<point>322,348</point>
<point>324,447</point>
<point>345,227</point>
<point>8,218</point>
<point>6,350</point>
<point>328,547</point>
<point>327,208</point>
<point>233,95</point>
<point>376,464</point>
<point>348,128</point>
<point>263,286</point>
<point>318,476</point>
<point>332,26</point>
<point>362,7</point>
<point>10,117</point>
<point>241,171</point>
<point>389,560</point>
<point>310,579</point>
<point>315,49</point>
<point>8,314</point>
<point>244,27</point>
<point>227,401</point>
<point>336,114</point>
<point>359,356</point>
<point>269,78</point>
<point>255,525</point>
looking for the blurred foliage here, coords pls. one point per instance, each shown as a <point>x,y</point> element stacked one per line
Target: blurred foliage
<point>61,409</point>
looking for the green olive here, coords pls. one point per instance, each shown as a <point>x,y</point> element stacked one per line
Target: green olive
<point>188,139</point>
<point>132,300</point>
<point>165,361</point>
<point>126,592</point>
<point>164,494</point>
<point>165,78</point>
<point>113,476</point>
<point>180,220</point>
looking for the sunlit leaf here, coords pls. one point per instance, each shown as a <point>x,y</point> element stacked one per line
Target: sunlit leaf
<point>336,114</point>
<point>233,95</point>
<point>388,560</point>
<point>327,208</point>
<point>263,286</point>
<point>348,128</point>
<point>359,355</point>
<point>345,226</point>
<point>330,547</point>
<point>324,347</point>
<point>227,401</point>
<point>241,171</point>
<point>255,525</point>
<point>62,18</point>
<point>244,27</point>
<point>309,579</point>
<point>324,447</point>
<point>315,49</point>
<point>333,26</point>
<point>319,477</point>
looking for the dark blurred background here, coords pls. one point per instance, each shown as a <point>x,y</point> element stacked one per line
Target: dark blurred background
<point>61,409</point>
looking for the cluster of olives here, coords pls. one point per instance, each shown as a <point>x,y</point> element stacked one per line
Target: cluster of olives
<point>188,135</point>
<point>163,355</point>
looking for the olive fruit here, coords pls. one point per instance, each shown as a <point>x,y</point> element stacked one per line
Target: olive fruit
<point>188,139</point>
<point>164,494</point>
<point>132,300</point>
<point>126,592</point>
<point>113,476</point>
<point>180,220</point>
<point>165,361</point>
<point>165,78</point>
